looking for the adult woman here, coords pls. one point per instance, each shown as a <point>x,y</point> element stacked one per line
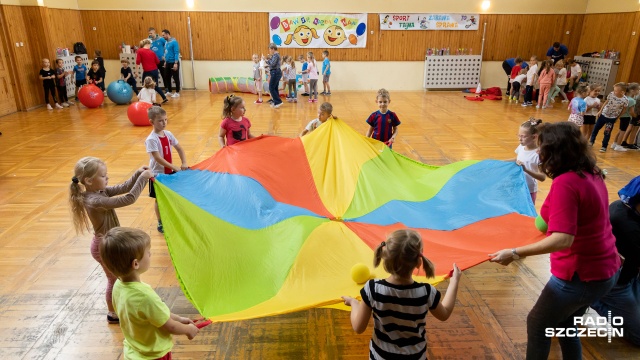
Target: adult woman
<point>149,61</point>
<point>584,261</point>
<point>275,74</point>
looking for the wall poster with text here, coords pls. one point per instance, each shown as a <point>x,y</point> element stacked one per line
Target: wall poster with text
<point>429,21</point>
<point>311,30</point>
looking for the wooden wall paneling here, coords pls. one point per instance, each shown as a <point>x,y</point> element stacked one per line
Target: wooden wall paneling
<point>8,100</point>
<point>115,27</point>
<point>65,28</point>
<point>634,74</point>
<point>628,55</point>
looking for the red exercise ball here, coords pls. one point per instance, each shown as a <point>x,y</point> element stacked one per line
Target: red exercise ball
<point>90,96</point>
<point>137,113</point>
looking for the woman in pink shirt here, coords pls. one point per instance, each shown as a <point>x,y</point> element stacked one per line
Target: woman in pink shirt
<point>584,261</point>
<point>547,78</point>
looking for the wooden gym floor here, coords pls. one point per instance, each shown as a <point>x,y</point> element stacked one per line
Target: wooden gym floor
<point>52,291</point>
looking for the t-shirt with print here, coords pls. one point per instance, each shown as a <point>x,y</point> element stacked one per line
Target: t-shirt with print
<point>81,71</point>
<point>47,73</point>
<point>530,159</point>
<point>60,80</point>
<point>591,101</point>
<point>326,67</point>
<point>578,105</point>
<point>313,124</point>
<point>142,315</point>
<point>257,72</point>
<point>237,131</point>
<point>632,104</point>
<point>615,106</point>
<point>383,124</point>
<point>154,142</point>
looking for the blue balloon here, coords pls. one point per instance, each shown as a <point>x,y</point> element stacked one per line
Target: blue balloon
<point>277,40</point>
<point>362,27</point>
<point>119,92</point>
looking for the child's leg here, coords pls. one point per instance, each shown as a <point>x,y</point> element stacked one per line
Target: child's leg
<point>608,128</point>
<point>111,279</point>
<point>46,95</point>
<point>306,85</point>
<point>293,84</point>
<point>564,96</point>
<point>624,125</point>
<point>552,93</point>
<point>585,130</point>
<point>328,86</point>
<point>515,90</point>
<point>599,124</point>
<point>545,94</point>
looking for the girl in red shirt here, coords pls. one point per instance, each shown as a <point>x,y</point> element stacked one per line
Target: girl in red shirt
<point>234,127</point>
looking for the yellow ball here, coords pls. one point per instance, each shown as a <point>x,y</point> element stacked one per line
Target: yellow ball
<point>360,273</point>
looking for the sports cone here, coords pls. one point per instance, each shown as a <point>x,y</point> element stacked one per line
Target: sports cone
<point>479,89</point>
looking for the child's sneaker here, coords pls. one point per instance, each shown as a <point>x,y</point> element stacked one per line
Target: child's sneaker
<point>315,100</point>
<point>613,146</point>
<point>310,100</point>
<point>565,101</point>
<point>58,106</point>
<point>160,227</point>
<point>71,103</point>
<point>49,107</point>
<point>258,102</point>
<point>323,93</point>
<point>295,100</point>
<point>328,93</point>
<point>112,318</point>
<point>65,104</point>
<point>620,148</point>
<point>603,149</point>
<point>624,144</point>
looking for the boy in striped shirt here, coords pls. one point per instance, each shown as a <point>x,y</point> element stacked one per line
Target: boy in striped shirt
<point>383,124</point>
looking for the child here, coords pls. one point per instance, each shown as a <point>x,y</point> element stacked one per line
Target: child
<point>531,80</point>
<point>612,108</point>
<point>398,303</point>
<point>383,124</point>
<point>578,106</point>
<point>515,71</point>
<point>146,322</point>
<point>47,75</point>
<point>625,118</point>
<point>80,71</point>
<point>148,93</point>
<point>305,75</point>
<point>546,78</point>
<point>289,74</point>
<point>527,155</point>
<point>61,84</point>
<point>312,71</point>
<point>561,82</point>
<point>324,112</point>
<point>633,129</point>
<point>257,77</point>
<point>234,127</point>
<point>96,75</point>
<point>100,60</point>
<point>515,84</point>
<point>593,105</point>
<point>93,201</point>
<point>326,72</point>
<point>576,74</point>
<point>158,145</point>
<point>127,75</point>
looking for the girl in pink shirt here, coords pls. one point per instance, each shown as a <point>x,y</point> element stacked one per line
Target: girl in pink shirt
<point>234,127</point>
<point>547,78</point>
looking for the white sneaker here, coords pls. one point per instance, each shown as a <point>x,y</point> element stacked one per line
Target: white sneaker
<point>71,103</point>
<point>620,148</point>
<point>65,104</point>
<point>49,107</point>
<point>537,106</point>
<point>277,106</point>
<point>565,101</point>
<point>175,95</point>
<point>613,146</point>
<point>58,106</point>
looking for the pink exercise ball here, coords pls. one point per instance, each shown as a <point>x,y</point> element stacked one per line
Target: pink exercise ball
<point>137,113</point>
<point>91,96</point>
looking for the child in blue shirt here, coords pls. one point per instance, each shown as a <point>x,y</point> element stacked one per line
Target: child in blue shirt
<point>326,72</point>
<point>305,75</point>
<point>80,70</point>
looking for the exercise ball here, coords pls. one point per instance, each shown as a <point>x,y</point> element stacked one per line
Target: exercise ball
<point>137,113</point>
<point>119,92</point>
<point>541,225</point>
<point>90,96</point>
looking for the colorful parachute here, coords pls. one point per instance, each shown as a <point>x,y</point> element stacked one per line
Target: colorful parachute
<point>274,225</point>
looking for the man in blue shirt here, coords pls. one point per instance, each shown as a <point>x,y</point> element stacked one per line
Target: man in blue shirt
<point>557,52</point>
<point>157,46</point>
<point>172,62</point>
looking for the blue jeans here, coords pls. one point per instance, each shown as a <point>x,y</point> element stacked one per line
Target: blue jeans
<point>559,302</point>
<point>608,124</point>
<point>154,76</point>
<point>274,81</point>
<point>623,300</point>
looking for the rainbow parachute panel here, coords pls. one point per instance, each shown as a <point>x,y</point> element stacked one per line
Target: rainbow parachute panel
<point>274,225</point>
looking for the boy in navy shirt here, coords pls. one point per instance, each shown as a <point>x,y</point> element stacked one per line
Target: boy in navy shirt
<point>127,75</point>
<point>383,124</point>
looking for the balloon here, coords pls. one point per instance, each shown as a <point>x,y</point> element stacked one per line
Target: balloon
<point>137,113</point>
<point>90,96</point>
<point>362,27</point>
<point>275,22</point>
<point>353,39</point>
<point>277,39</point>
<point>119,92</point>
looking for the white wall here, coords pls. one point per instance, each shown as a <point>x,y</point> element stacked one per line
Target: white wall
<point>611,6</point>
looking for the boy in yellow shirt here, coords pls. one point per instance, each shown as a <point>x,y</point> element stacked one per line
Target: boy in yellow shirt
<point>146,321</point>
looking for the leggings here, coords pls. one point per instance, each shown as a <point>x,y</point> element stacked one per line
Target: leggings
<point>169,73</point>
<point>49,88</point>
<point>313,88</point>
<point>62,93</point>
<point>111,279</point>
<point>292,88</point>
<point>555,90</point>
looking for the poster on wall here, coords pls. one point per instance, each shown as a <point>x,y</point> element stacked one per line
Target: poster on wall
<point>310,30</point>
<point>429,21</point>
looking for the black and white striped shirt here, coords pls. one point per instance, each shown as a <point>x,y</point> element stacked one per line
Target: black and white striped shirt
<point>399,314</point>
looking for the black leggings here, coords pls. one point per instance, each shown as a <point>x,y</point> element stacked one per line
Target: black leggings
<point>169,73</point>
<point>49,88</point>
<point>507,69</point>
<point>62,93</point>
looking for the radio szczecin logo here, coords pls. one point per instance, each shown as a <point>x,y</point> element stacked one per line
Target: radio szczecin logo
<point>604,327</point>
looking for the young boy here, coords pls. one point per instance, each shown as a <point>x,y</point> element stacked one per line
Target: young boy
<point>127,75</point>
<point>383,124</point>
<point>326,72</point>
<point>96,75</point>
<point>531,80</point>
<point>609,112</point>
<point>146,321</point>
<point>158,145</point>
<point>80,71</point>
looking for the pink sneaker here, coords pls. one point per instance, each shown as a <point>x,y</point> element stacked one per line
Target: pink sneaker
<point>258,102</point>
<point>310,100</point>
<point>315,100</point>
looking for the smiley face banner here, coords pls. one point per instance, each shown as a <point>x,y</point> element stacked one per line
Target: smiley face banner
<point>309,30</point>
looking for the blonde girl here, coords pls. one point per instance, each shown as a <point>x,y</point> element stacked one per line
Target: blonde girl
<point>561,82</point>
<point>257,77</point>
<point>325,111</point>
<point>527,155</point>
<point>578,106</point>
<point>289,74</point>
<point>546,78</point>
<point>313,77</point>
<point>593,106</point>
<point>234,127</point>
<point>92,201</point>
<point>148,93</point>
<point>398,302</point>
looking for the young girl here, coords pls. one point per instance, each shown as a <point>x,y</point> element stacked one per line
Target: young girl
<point>399,303</point>
<point>625,117</point>
<point>561,82</point>
<point>47,75</point>
<point>515,84</point>
<point>527,155</point>
<point>289,73</point>
<point>93,201</point>
<point>234,127</point>
<point>546,78</point>
<point>593,106</point>
<point>578,106</point>
<point>96,75</point>
<point>61,85</point>
<point>257,77</point>
<point>324,112</point>
<point>312,71</point>
<point>100,61</point>
<point>305,75</point>
<point>148,93</point>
